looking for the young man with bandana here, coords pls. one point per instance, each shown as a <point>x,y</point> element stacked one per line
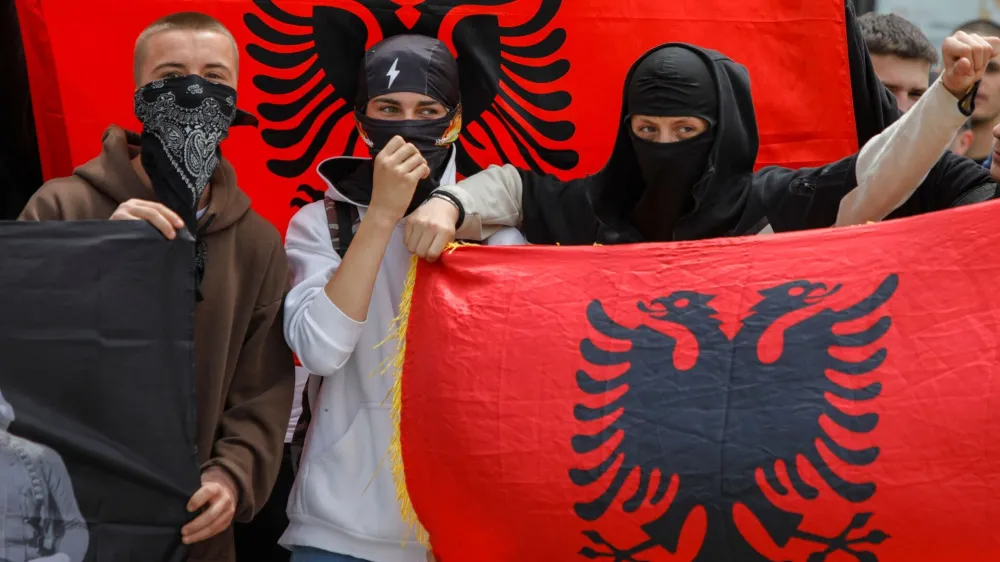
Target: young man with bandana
<point>682,166</point>
<point>174,177</point>
<point>349,265</point>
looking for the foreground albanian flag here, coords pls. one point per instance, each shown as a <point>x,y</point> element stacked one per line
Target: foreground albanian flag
<point>823,396</point>
<point>541,79</point>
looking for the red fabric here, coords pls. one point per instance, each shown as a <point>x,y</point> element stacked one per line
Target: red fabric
<point>494,344</point>
<point>80,67</point>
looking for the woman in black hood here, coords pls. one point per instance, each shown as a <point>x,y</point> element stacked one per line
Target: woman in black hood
<point>686,139</point>
<point>681,169</point>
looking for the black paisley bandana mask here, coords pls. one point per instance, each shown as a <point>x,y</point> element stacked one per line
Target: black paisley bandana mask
<point>184,121</point>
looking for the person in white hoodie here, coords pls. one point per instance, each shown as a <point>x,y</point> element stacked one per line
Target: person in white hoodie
<point>349,262</point>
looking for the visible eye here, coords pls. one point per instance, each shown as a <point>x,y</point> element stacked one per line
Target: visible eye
<point>686,129</point>
<point>389,109</point>
<point>171,74</point>
<point>648,130</point>
<point>430,113</point>
<point>214,77</point>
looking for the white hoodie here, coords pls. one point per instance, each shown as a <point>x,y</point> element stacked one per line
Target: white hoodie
<point>344,497</point>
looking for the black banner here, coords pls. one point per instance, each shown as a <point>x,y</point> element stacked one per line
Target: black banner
<point>97,378</point>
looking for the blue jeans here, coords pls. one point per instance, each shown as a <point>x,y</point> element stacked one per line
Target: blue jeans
<point>307,554</point>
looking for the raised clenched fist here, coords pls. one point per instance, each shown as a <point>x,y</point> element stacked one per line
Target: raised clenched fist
<point>398,168</point>
<point>966,56</point>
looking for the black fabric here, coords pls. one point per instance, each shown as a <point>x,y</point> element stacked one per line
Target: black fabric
<point>874,106</point>
<point>670,172</point>
<point>257,541</point>
<point>673,82</point>
<point>433,137</point>
<point>409,63</point>
<point>599,208</point>
<point>954,181</point>
<point>670,82</point>
<point>416,64</point>
<point>736,201</point>
<point>97,363</point>
<point>184,120</point>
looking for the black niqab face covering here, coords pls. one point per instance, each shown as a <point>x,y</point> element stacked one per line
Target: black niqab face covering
<point>417,64</point>
<point>184,120</point>
<point>672,82</point>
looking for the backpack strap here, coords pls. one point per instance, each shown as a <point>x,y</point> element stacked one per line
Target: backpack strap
<point>341,219</point>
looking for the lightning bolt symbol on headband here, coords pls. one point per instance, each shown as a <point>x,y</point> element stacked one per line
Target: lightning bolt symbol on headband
<point>393,73</point>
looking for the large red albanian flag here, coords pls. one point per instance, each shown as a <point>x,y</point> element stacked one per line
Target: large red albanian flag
<point>541,79</point>
<point>821,396</point>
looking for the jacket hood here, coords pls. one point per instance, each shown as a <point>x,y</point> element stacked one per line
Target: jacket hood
<point>112,173</point>
<point>6,413</point>
<point>720,196</point>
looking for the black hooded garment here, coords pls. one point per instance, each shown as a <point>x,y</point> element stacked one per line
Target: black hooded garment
<point>733,199</point>
<point>730,198</point>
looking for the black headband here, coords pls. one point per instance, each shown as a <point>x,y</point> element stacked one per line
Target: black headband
<point>674,82</point>
<point>409,63</point>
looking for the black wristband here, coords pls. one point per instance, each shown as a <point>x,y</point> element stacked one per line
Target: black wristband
<point>454,201</point>
<point>967,104</point>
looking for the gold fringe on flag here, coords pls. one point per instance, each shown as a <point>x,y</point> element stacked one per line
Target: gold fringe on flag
<point>393,365</point>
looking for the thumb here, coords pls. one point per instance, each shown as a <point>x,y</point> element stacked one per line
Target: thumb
<point>200,498</point>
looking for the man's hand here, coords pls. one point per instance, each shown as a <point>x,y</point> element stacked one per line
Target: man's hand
<point>431,227</point>
<point>156,214</point>
<point>398,168</point>
<point>218,492</point>
<point>966,56</point>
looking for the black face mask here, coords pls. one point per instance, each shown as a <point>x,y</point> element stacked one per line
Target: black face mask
<point>670,172</point>
<point>433,138</point>
<point>184,120</point>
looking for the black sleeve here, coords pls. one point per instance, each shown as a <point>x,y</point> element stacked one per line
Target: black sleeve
<point>803,199</point>
<point>962,182</point>
<point>953,181</point>
<point>985,192</point>
<point>557,212</point>
<point>874,107</point>
<point>810,198</point>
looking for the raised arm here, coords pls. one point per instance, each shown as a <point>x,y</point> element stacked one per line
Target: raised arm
<point>328,305</point>
<point>894,163</point>
<point>869,185</point>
